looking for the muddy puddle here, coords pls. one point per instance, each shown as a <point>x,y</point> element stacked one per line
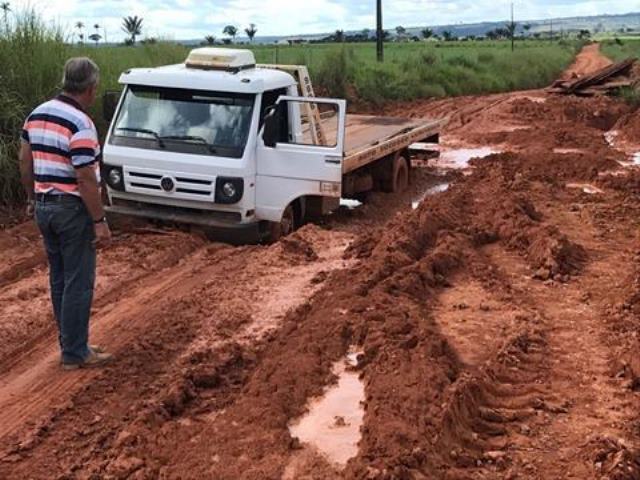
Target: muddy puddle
<point>610,137</point>
<point>432,190</point>
<point>586,188</point>
<point>332,424</point>
<point>350,203</point>
<point>459,158</point>
<point>567,151</point>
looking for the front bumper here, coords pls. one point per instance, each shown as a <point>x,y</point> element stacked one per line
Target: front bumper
<point>220,224</point>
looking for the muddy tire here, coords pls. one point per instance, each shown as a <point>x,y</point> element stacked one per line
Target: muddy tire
<point>399,180</point>
<point>286,226</point>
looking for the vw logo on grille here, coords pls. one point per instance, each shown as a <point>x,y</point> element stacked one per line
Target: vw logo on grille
<point>167,184</point>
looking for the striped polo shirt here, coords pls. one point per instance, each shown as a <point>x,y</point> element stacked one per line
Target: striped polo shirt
<point>62,138</point>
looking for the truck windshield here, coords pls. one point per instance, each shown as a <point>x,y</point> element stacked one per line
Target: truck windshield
<point>185,121</point>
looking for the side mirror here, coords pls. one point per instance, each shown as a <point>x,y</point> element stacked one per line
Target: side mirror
<point>272,123</point>
<point>110,101</point>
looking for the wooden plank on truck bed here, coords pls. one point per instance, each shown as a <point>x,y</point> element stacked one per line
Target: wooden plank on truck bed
<point>301,74</point>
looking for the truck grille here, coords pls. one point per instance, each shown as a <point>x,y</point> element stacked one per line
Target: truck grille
<point>186,186</point>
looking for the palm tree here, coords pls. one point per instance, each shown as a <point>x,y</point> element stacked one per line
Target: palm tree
<point>427,33</point>
<point>95,37</point>
<point>231,31</point>
<point>6,8</point>
<point>400,30</point>
<point>79,25</point>
<point>339,36</point>
<point>251,31</point>
<point>210,40</point>
<point>133,27</point>
<point>447,35</point>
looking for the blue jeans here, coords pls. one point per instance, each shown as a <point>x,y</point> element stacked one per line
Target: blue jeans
<point>68,233</point>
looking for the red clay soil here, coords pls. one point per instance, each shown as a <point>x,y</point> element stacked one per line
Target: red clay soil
<point>499,326</point>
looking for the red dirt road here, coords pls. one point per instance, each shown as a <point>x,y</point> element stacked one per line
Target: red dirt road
<point>498,325</point>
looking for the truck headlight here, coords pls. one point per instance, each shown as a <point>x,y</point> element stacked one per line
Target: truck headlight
<point>229,190</point>
<point>114,177</point>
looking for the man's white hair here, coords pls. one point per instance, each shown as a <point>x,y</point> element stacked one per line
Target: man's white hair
<point>80,74</point>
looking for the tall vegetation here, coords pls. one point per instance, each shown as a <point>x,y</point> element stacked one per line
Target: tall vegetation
<point>618,49</point>
<point>31,55</point>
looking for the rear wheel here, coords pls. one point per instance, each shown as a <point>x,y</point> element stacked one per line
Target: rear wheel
<point>401,174</point>
<point>286,226</point>
<point>397,178</point>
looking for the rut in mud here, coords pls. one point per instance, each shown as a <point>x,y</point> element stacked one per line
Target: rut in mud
<point>494,327</point>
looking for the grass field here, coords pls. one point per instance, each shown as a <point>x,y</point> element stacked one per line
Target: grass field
<point>624,49</point>
<point>32,56</point>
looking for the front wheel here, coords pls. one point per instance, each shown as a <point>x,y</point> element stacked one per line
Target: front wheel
<point>286,226</point>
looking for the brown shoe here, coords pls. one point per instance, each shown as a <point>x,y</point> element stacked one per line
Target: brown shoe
<point>94,360</point>
<point>97,349</point>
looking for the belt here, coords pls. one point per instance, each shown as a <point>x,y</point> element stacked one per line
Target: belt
<point>53,198</point>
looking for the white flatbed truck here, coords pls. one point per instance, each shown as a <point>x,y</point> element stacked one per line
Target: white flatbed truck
<point>242,148</point>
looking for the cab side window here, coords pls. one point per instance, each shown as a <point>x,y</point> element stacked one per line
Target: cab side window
<point>269,99</point>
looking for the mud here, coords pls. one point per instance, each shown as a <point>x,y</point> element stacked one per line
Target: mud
<point>497,326</point>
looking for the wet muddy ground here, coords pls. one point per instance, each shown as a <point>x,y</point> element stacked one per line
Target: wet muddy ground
<point>484,325</point>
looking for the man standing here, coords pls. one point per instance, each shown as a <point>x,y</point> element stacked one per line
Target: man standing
<point>60,173</point>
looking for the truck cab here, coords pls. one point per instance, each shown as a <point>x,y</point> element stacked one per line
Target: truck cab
<point>221,142</point>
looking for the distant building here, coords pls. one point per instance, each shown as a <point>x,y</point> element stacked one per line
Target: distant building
<point>293,41</point>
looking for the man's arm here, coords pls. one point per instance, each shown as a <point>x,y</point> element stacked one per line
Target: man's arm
<point>26,170</point>
<point>84,150</point>
<point>90,191</point>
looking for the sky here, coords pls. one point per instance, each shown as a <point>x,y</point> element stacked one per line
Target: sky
<point>193,19</point>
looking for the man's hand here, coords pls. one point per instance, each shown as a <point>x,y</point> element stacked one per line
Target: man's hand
<point>31,209</point>
<point>103,234</point>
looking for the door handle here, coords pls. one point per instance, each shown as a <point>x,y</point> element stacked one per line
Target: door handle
<point>335,159</point>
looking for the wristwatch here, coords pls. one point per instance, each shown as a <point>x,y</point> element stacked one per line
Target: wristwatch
<point>101,220</point>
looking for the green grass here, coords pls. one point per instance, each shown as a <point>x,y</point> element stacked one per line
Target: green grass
<point>618,50</point>
<point>621,49</point>
<point>425,69</point>
<point>32,56</point>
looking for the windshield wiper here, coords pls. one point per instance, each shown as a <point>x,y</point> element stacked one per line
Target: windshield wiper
<point>191,138</point>
<point>144,130</point>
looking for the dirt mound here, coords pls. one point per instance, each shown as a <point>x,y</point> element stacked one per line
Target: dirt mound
<point>600,113</point>
<point>298,248</point>
<point>553,255</point>
<point>628,128</point>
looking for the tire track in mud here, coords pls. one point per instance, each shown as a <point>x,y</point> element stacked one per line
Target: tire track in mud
<point>20,252</point>
<point>186,327</point>
<point>41,380</point>
<point>29,327</point>
<point>575,424</point>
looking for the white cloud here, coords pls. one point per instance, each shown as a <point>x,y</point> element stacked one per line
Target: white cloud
<point>182,19</point>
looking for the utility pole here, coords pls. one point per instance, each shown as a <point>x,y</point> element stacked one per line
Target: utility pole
<point>513,30</point>
<point>551,32</point>
<point>380,32</point>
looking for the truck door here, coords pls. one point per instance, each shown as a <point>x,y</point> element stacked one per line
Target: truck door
<point>300,151</point>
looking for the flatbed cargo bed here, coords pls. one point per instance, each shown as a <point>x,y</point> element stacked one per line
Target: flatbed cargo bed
<point>369,138</point>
